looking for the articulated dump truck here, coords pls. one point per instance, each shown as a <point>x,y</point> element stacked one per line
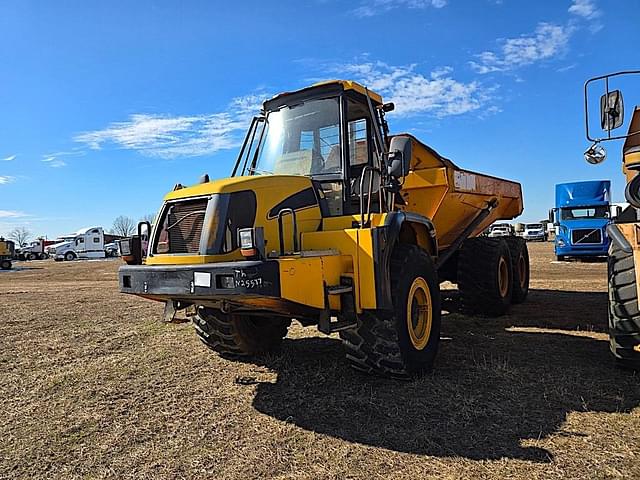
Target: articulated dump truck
<point>624,230</point>
<point>330,220</point>
<point>7,252</point>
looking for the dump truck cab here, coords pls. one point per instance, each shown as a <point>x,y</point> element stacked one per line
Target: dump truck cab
<point>624,230</point>
<point>581,214</point>
<point>322,208</point>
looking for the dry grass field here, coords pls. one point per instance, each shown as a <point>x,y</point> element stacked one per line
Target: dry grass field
<point>93,385</point>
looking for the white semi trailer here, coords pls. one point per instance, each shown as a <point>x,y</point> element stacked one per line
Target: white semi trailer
<point>84,244</point>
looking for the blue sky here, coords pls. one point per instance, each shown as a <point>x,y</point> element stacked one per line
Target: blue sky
<point>106,105</point>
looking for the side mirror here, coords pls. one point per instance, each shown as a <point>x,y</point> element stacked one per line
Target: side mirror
<point>611,110</point>
<point>134,249</point>
<point>400,154</point>
<point>395,166</point>
<point>595,154</point>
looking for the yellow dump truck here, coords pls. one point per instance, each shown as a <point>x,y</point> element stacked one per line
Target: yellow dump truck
<point>624,231</point>
<point>330,220</point>
<point>7,252</point>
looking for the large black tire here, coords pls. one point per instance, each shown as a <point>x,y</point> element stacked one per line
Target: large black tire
<point>69,256</point>
<point>485,276</point>
<point>239,335</point>
<point>520,268</point>
<point>624,315</point>
<point>402,343</point>
<point>5,264</point>
<point>560,258</point>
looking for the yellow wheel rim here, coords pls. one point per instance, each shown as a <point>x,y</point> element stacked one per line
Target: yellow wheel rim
<point>503,277</point>
<point>419,313</point>
<point>522,270</point>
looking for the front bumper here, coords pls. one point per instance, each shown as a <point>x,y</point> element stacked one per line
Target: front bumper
<point>585,251</point>
<point>533,238</point>
<point>204,282</point>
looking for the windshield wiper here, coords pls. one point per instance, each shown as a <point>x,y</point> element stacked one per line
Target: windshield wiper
<point>257,170</point>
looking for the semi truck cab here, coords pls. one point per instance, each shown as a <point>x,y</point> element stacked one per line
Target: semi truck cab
<point>581,214</point>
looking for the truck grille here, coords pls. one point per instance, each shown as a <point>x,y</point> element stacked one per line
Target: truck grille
<point>586,236</point>
<point>184,226</point>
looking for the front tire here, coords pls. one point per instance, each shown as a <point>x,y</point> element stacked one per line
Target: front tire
<point>5,264</point>
<point>239,335</point>
<point>402,343</point>
<point>624,315</point>
<point>485,276</point>
<point>69,256</point>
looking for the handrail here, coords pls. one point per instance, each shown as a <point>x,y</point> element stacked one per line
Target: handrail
<point>372,170</point>
<point>281,214</point>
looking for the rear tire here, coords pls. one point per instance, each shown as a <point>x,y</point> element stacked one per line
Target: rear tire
<point>624,315</point>
<point>5,264</point>
<point>520,268</point>
<point>31,256</point>
<point>239,335</point>
<point>485,276</point>
<point>404,342</point>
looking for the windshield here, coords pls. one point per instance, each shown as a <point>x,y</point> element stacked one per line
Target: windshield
<point>534,226</point>
<point>302,139</point>
<point>584,212</point>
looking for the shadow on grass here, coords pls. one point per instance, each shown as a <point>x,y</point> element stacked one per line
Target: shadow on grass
<point>494,393</point>
<point>579,311</point>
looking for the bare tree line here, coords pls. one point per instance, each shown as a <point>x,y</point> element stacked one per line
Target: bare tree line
<point>123,226</point>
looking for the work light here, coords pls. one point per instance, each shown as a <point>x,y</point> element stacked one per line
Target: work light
<point>251,241</point>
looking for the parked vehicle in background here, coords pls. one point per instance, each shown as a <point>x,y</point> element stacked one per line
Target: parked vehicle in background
<point>7,251</point>
<point>534,232</point>
<point>111,249</point>
<point>61,247</point>
<point>581,216</point>
<point>85,243</point>
<point>501,230</point>
<point>36,250</point>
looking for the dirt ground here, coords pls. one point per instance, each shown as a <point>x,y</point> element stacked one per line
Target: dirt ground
<point>94,386</point>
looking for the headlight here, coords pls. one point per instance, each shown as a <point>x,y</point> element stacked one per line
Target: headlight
<point>251,241</point>
<point>561,242</point>
<point>245,237</point>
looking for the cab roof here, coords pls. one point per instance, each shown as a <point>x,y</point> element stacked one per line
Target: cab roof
<point>327,85</point>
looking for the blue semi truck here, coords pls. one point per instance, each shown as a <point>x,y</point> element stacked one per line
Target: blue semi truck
<point>581,215</point>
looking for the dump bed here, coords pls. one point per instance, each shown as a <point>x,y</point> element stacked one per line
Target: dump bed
<point>452,197</point>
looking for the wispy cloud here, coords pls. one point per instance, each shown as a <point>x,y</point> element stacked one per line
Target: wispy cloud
<point>12,214</point>
<point>4,179</point>
<point>54,162</point>
<point>56,159</point>
<point>10,158</point>
<point>168,136</point>
<point>377,7</point>
<point>588,11</point>
<point>585,9</point>
<point>546,42</point>
<point>436,93</point>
